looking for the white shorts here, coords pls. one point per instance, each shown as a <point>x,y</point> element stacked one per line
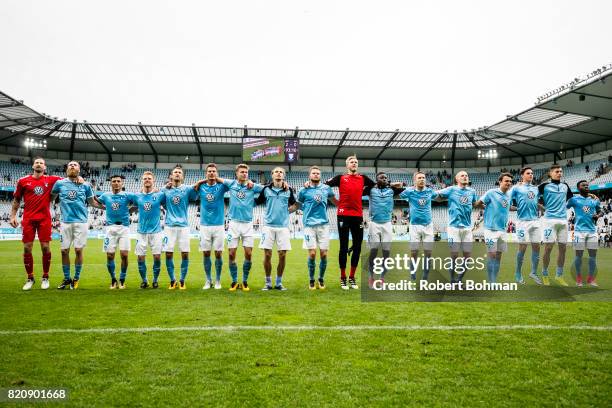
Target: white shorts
<point>421,233</point>
<point>153,241</point>
<point>528,231</point>
<point>588,240</point>
<point>174,234</point>
<point>554,230</point>
<point>460,238</point>
<point>239,230</point>
<point>73,234</point>
<point>380,234</point>
<point>116,236</point>
<point>212,237</point>
<point>496,241</point>
<point>280,235</point>
<point>317,236</point>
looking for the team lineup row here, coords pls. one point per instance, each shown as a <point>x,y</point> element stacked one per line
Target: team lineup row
<point>553,198</point>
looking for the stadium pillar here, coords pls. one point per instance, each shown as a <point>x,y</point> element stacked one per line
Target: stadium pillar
<point>72,138</point>
<point>453,153</point>
<point>197,139</point>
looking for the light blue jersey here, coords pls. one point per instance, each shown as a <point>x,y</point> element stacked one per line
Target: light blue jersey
<point>242,200</point>
<point>73,200</point>
<point>381,203</point>
<point>460,202</point>
<point>212,206</point>
<point>149,211</point>
<point>118,207</point>
<point>555,196</point>
<point>526,198</point>
<point>497,209</point>
<point>177,202</point>
<point>420,204</point>
<point>584,208</point>
<point>277,203</point>
<point>314,204</point>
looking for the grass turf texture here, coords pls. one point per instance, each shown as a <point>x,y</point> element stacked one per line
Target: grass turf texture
<point>289,368</point>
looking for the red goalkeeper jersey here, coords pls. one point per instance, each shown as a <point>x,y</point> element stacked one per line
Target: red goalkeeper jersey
<point>351,192</point>
<point>36,195</point>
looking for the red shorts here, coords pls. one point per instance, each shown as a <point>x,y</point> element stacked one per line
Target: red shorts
<point>30,227</point>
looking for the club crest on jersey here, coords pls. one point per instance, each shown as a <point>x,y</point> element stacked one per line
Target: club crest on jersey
<point>176,200</point>
<point>148,206</point>
<point>317,198</point>
<point>38,190</point>
<point>241,194</point>
<point>72,194</point>
<point>422,202</point>
<point>464,199</point>
<point>115,206</point>
<point>210,197</point>
<point>531,195</point>
<point>504,203</point>
<point>586,209</point>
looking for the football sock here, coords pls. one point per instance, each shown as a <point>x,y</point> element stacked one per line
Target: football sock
<point>311,268</point>
<point>559,271</point>
<point>77,271</point>
<point>578,265</point>
<point>520,255</point>
<point>535,259</point>
<point>142,270</point>
<point>170,268</point>
<point>66,270</point>
<point>233,268</point>
<point>184,269</point>
<point>28,263</point>
<point>343,273</point>
<point>208,268</point>
<point>322,267</point>
<point>46,261</point>
<point>268,281</point>
<point>544,271</point>
<point>352,273</point>
<point>218,268</point>
<point>156,269</point>
<point>279,280</point>
<point>386,254</point>
<point>246,268</point>
<point>123,273</point>
<point>592,265</point>
<point>426,262</point>
<point>110,265</point>
<point>490,270</point>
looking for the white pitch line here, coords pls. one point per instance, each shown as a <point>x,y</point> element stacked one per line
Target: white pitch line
<point>111,330</point>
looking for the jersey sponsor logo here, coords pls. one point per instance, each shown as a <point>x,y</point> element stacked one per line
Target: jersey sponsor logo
<point>531,195</point>
<point>38,190</point>
<point>72,194</point>
<point>241,194</point>
<point>147,206</point>
<point>422,202</point>
<point>176,200</point>
<point>115,206</point>
<point>318,198</point>
<point>210,197</point>
<point>586,209</point>
<point>464,199</point>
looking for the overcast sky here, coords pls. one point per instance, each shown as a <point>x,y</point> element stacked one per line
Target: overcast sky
<point>426,66</point>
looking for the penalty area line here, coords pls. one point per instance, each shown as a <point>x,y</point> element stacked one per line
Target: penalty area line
<point>229,328</point>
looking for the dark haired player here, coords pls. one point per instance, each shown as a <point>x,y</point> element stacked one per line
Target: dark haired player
<point>117,203</point>
<point>587,210</point>
<point>525,199</point>
<point>35,190</point>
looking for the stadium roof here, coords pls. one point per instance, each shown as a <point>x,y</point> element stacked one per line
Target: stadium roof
<point>573,116</point>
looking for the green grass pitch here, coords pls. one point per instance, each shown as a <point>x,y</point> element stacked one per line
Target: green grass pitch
<point>314,367</point>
